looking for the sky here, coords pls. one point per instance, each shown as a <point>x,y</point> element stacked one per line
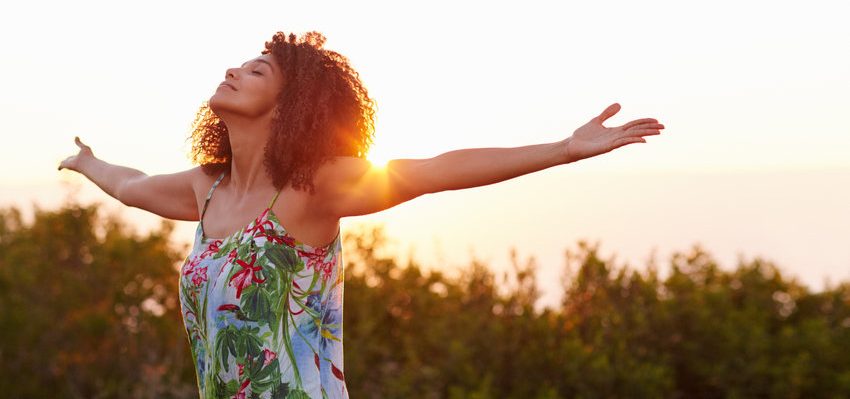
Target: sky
<point>753,160</point>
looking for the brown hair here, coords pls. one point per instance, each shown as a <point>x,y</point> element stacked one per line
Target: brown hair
<point>323,111</point>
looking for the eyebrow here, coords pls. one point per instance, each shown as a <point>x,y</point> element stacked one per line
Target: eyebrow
<point>260,60</point>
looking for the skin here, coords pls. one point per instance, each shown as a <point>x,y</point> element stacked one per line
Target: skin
<point>347,186</point>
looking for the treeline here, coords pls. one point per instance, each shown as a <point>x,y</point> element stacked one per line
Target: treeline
<point>88,309</point>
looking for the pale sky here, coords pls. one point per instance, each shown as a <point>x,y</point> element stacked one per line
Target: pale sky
<point>754,157</point>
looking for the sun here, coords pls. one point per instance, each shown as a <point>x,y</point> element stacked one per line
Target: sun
<point>378,157</point>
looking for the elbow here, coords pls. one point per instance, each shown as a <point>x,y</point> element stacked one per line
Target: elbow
<point>125,201</point>
<point>124,194</point>
<point>120,195</point>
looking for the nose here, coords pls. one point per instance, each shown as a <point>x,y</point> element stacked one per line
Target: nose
<point>231,73</point>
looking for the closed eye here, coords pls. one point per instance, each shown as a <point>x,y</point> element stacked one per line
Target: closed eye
<point>257,72</point>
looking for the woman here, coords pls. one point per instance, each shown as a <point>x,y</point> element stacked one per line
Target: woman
<point>282,143</point>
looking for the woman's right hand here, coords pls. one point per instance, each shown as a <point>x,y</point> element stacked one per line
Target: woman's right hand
<point>73,162</point>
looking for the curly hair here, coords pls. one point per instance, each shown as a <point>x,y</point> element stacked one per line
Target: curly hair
<point>323,110</point>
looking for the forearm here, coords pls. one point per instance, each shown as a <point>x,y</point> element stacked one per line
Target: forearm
<point>107,176</point>
<point>473,167</point>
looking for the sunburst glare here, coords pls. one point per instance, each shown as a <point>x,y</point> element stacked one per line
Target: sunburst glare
<point>378,156</point>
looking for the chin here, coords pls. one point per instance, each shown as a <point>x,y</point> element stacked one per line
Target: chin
<point>219,105</point>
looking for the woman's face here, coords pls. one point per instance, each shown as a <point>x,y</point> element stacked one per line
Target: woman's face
<point>250,90</point>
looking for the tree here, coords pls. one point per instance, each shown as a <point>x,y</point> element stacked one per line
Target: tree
<point>88,309</point>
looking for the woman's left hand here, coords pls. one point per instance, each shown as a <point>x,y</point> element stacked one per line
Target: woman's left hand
<point>593,139</point>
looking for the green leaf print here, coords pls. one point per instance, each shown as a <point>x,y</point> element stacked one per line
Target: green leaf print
<point>243,251</point>
<point>231,387</point>
<point>252,344</point>
<point>225,344</point>
<point>286,338</point>
<point>265,371</point>
<point>281,391</point>
<point>223,251</point>
<point>217,388</point>
<point>283,258</point>
<point>268,379</point>
<point>280,308</point>
<point>297,394</point>
<point>255,302</point>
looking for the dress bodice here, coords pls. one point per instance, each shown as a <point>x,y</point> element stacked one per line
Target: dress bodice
<point>263,312</point>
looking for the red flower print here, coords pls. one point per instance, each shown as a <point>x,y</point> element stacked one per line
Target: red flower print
<point>337,372</point>
<point>189,266</point>
<point>316,358</point>
<point>260,224</point>
<point>267,231</point>
<point>241,393</point>
<point>241,368</point>
<point>211,249</point>
<point>272,236</point>
<point>288,240</point>
<point>269,356</point>
<point>230,258</point>
<point>245,277</point>
<point>316,260</point>
<point>200,276</point>
<point>229,307</point>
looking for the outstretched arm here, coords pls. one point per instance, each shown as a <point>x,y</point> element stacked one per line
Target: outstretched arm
<point>171,196</point>
<point>351,186</point>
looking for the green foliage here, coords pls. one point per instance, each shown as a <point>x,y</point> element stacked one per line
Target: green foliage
<point>88,310</point>
<point>701,332</point>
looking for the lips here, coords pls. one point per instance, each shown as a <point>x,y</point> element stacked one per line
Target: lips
<point>228,85</point>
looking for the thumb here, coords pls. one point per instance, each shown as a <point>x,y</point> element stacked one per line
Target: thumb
<point>608,112</point>
<point>80,144</point>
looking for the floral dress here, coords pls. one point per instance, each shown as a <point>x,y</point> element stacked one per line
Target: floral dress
<point>263,312</point>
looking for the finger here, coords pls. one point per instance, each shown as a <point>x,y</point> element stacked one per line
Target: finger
<point>638,122</point>
<point>633,140</point>
<point>78,142</point>
<point>608,112</point>
<point>645,126</point>
<point>643,132</point>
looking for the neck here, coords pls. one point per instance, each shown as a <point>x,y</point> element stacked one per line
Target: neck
<point>248,138</point>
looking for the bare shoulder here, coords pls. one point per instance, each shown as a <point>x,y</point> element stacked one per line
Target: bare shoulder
<point>198,177</point>
<point>334,180</point>
<point>339,171</point>
<point>201,181</point>
<point>351,186</point>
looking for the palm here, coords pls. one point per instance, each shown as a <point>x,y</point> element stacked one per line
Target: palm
<point>73,161</point>
<point>594,139</point>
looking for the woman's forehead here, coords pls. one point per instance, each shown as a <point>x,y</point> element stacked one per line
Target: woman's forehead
<point>267,58</point>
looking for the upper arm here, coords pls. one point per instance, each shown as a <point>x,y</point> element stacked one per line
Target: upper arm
<point>171,196</point>
<point>351,186</point>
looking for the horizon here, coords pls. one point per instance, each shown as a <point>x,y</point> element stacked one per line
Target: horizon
<point>750,222</point>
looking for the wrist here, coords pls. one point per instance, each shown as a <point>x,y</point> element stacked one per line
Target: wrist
<point>566,157</point>
<point>85,164</point>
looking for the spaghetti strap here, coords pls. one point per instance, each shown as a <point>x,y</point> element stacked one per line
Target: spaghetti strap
<point>207,201</point>
<point>275,198</point>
